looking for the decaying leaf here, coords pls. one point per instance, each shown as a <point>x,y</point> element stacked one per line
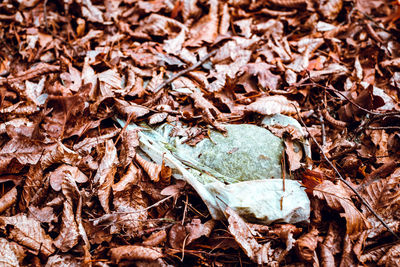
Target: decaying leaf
<point>29,233</point>
<point>339,199</point>
<point>7,255</point>
<point>269,105</point>
<point>306,245</point>
<point>132,252</point>
<point>104,177</point>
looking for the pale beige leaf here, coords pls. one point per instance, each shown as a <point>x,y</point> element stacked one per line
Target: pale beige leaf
<point>29,233</point>
<point>132,252</point>
<point>157,118</point>
<point>43,215</point>
<point>8,199</point>
<point>270,105</point>
<point>111,79</point>
<point>155,81</point>
<point>339,199</point>
<point>87,144</point>
<point>63,261</point>
<point>104,177</point>
<point>7,255</point>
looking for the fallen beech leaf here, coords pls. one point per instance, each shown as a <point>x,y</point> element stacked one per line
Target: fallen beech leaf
<point>7,255</point>
<point>245,238</point>
<point>152,169</point>
<point>56,177</point>
<point>176,236</point>
<point>155,239</point>
<point>8,199</point>
<point>196,229</point>
<point>28,232</point>
<point>34,181</point>
<point>339,199</point>
<point>270,105</point>
<point>104,177</point>
<point>132,252</point>
<point>306,245</point>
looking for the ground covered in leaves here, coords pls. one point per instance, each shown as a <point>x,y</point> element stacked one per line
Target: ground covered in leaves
<point>75,192</point>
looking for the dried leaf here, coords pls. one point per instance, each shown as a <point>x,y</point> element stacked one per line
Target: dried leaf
<point>104,177</point>
<point>8,199</point>
<point>56,177</point>
<point>306,245</point>
<point>339,199</point>
<point>135,253</point>
<point>28,232</point>
<point>245,238</point>
<point>196,229</point>
<point>155,238</point>
<point>152,169</point>
<point>7,255</point>
<point>270,105</point>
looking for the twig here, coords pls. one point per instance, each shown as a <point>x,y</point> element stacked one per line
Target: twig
<point>182,72</point>
<point>383,128</point>
<point>344,181</point>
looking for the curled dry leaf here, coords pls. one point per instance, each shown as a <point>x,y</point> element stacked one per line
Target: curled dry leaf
<point>155,171</point>
<point>245,238</point>
<point>135,253</point>
<point>177,236</point>
<point>60,154</point>
<point>128,109</point>
<point>270,105</point>
<point>306,245</point>
<point>8,199</point>
<point>339,199</point>
<point>69,233</point>
<point>104,177</point>
<point>28,232</point>
<point>155,239</point>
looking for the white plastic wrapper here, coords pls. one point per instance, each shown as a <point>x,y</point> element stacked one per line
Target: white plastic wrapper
<point>241,170</point>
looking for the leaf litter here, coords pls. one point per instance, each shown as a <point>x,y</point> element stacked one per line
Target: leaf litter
<point>76,191</point>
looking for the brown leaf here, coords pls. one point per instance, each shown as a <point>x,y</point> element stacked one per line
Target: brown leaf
<point>8,199</point>
<point>132,252</point>
<point>28,232</point>
<point>56,177</point>
<point>34,181</point>
<point>177,236</point>
<point>306,245</point>
<point>155,239</point>
<point>152,169</point>
<point>127,109</point>
<point>339,199</point>
<point>245,238</point>
<point>205,29</point>
<point>104,177</point>
<point>196,229</point>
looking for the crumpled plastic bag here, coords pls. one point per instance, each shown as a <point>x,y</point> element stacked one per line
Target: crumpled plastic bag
<point>241,170</point>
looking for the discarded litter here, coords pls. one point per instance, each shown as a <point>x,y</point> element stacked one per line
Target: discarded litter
<point>242,170</point>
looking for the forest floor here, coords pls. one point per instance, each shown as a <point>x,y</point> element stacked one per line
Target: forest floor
<point>75,191</point>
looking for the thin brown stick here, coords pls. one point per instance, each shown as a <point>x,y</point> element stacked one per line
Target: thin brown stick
<point>183,72</point>
<point>344,181</point>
